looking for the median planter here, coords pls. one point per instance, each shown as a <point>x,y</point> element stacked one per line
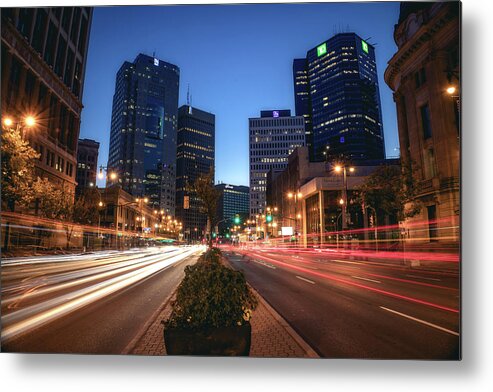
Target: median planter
<point>211,313</point>
<point>211,341</point>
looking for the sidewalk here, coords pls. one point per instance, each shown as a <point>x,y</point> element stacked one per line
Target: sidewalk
<point>272,337</point>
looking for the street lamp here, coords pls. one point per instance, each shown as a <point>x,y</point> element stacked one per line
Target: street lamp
<point>296,196</point>
<point>28,122</point>
<point>451,90</point>
<point>343,201</point>
<point>141,202</point>
<point>112,175</point>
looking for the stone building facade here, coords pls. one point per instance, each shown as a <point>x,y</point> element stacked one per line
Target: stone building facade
<point>44,53</point>
<point>425,77</point>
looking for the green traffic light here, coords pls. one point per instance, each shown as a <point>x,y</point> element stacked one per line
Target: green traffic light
<point>268,218</point>
<point>227,235</point>
<point>237,220</point>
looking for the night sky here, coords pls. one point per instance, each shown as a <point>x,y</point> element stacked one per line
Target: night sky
<point>237,60</point>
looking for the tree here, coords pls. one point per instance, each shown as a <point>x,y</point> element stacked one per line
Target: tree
<point>57,204</point>
<point>17,173</point>
<point>86,207</point>
<point>18,160</point>
<point>391,189</point>
<point>209,197</point>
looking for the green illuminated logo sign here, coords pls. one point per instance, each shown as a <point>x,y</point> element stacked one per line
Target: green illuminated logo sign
<point>322,49</point>
<point>364,46</point>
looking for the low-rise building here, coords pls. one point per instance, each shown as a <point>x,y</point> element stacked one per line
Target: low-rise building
<point>234,200</point>
<point>87,162</point>
<point>128,216</point>
<point>305,199</point>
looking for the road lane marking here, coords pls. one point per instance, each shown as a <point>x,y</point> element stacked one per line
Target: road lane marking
<point>369,280</point>
<point>412,282</point>
<point>347,262</point>
<point>265,264</point>
<point>421,277</point>
<point>420,321</point>
<point>306,280</point>
<point>354,284</point>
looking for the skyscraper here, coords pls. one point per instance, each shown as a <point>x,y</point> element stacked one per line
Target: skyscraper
<point>143,130</point>
<point>344,99</point>
<point>44,53</point>
<point>273,136</point>
<point>195,156</point>
<point>302,97</point>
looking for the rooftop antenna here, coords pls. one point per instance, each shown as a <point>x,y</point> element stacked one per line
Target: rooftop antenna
<point>189,99</point>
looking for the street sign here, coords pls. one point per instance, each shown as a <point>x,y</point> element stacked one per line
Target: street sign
<point>287,230</point>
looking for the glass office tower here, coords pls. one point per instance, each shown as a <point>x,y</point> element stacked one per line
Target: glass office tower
<point>344,99</point>
<point>143,130</point>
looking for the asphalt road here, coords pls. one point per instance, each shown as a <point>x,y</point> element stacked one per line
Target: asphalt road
<point>354,308</point>
<point>92,304</point>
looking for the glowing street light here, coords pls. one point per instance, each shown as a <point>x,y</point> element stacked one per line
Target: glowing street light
<point>113,176</point>
<point>343,201</point>
<point>30,121</point>
<point>8,122</point>
<point>451,90</point>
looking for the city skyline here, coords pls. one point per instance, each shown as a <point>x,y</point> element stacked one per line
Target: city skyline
<point>245,61</point>
<point>328,246</point>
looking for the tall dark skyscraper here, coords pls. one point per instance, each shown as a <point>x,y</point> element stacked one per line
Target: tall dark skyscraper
<point>44,52</point>
<point>143,130</point>
<point>302,97</point>
<point>195,156</point>
<point>344,99</point>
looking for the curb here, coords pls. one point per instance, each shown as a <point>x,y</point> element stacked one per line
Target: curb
<point>142,331</point>
<point>297,338</point>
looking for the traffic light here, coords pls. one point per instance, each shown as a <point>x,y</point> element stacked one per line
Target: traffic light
<point>268,218</point>
<point>227,235</point>
<point>237,220</point>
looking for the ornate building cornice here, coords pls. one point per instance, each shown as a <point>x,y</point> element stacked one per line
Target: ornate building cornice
<point>414,32</point>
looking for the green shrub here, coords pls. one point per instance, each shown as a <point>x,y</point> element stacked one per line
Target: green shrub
<point>211,295</point>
